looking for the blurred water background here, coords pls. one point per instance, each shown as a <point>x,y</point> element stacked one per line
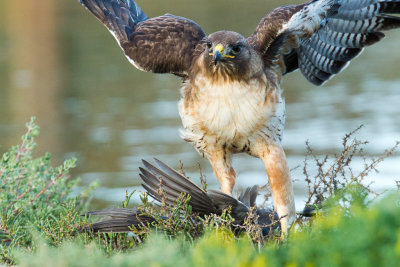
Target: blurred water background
<point>58,63</point>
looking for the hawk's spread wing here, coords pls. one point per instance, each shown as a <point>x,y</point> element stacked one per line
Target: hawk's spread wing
<point>165,44</point>
<point>347,28</point>
<point>284,27</point>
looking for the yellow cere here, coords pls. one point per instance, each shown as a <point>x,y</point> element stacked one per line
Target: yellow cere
<point>220,48</point>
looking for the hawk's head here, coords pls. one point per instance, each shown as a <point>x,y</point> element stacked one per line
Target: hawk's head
<point>228,53</point>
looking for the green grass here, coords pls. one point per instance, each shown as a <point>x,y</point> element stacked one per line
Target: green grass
<point>369,237</point>
<point>40,221</point>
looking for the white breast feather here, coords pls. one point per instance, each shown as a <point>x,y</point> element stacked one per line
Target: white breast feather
<point>229,111</point>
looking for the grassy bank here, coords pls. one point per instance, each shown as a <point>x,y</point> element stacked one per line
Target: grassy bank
<point>40,221</point>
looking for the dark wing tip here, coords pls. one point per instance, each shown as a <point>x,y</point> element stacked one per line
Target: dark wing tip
<point>313,79</point>
<point>373,37</point>
<point>120,17</point>
<point>249,196</point>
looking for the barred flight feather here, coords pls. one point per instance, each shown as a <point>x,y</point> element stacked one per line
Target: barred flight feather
<point>378,23</point>
<point>344,28</point>
<point>356,4</point>
<point>331,51</point>
<point>369,12</point>
<point>350,40</point>
<point>356,25</point>
<point>321,62</point>
<point>310,71</point>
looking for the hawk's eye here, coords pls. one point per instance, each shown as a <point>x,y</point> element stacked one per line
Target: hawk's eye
<point>236,49</point>
<point>209,46</point>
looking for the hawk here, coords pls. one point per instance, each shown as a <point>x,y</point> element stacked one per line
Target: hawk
<point>231,99</point>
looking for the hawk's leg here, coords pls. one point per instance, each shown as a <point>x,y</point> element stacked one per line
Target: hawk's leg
<point>278,172</point>
<point>221,162</point>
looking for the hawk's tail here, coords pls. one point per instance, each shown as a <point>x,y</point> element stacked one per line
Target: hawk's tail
<point>119,16</point>
<point>120,220</point>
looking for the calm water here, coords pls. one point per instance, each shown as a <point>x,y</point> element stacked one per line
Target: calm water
<point>59,64</point>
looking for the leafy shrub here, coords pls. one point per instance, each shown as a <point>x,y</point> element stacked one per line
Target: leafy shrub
<point>34,196</point>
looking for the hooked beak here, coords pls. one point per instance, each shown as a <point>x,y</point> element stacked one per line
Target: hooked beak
<point>217,57</point>
<point>218,53</point>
